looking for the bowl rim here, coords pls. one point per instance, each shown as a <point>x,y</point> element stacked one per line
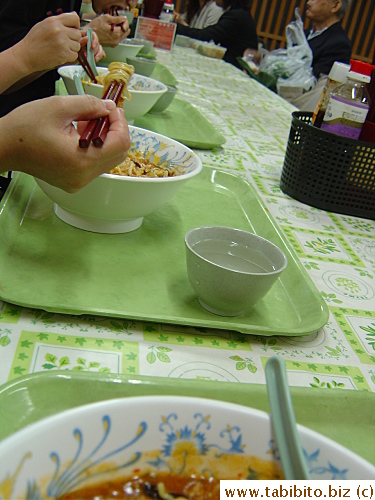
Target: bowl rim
<point>233,231</point>
<point>142,59</point>
<point>177,178</point>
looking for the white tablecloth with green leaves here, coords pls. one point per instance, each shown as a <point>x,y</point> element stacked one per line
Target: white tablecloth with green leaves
<point>337,251</point>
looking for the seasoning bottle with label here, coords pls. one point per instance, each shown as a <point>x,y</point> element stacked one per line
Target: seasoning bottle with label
<point>349,103</point>
<point>338,74</point>
<point>167,12</point>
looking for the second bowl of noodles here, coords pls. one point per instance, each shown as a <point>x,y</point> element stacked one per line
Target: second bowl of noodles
<point>144,91</point>
<point>156,169</point>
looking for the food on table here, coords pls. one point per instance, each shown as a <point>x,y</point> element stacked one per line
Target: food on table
<point>168,486</point>
<point>136,165</point>
<point>120,73</point>
<point>115,84</point>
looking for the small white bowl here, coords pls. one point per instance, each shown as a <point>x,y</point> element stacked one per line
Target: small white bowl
<point>127,48</point>
<point>175,435</point>
<point>229,269</point>
<point>118,204</point>
<point>144,91</point>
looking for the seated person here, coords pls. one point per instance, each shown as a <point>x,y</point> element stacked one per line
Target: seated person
<point>199,14</point>
<point>54,41</point>
<point>235,30</point>
<point>327,39</point>
<point>328,42</point>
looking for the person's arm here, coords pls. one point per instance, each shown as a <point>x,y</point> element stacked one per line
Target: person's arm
<point>50,43</point>
<point>111,30</point>
<point>223,32</point>
<point>40,139</point>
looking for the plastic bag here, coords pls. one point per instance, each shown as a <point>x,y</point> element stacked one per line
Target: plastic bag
<point>291,66</point>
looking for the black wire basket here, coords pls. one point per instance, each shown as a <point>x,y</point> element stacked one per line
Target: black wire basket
<point>329,171</point>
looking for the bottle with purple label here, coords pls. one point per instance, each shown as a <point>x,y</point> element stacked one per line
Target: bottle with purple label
<point>349,103</point>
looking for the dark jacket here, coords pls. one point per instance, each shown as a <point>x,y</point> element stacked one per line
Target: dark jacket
<point>235,30</point>
<point>16,20</point>
<point>330,46</point>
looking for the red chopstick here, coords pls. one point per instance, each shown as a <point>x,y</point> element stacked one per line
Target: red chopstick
<point>100,132</point>
<point>86,66</point>
<point>114,12</point>
<point>81,55</point>
<point>87,135</point>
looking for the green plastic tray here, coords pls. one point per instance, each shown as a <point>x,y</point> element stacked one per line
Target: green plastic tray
<point>47,264</point>
<point>32,397</point>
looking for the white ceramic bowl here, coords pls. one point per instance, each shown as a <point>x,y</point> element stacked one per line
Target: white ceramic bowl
<point>118,204</point>
<point>144,91</point>
<point>231,270</point>
<point>127,48</point>
<point>83,446</point>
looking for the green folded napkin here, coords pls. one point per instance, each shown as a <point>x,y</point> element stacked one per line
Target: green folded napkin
<point>183,123</point>
<point>151,54</point>
<point>162,74</point>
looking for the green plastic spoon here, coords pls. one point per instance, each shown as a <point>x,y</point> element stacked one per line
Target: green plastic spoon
<point>90,53</point>
<point>284,422</point>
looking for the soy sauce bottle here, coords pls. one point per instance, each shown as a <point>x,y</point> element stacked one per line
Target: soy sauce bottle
<point>349,103</point>
<point>337,75</point>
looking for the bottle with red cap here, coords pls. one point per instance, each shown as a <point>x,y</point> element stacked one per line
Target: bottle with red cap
<point>349,103</point>
<point>167,12</point>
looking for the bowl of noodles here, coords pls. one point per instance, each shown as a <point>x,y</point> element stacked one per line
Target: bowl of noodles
<point>143,91</point>
<point>160,447</point>
<point>155,170</point>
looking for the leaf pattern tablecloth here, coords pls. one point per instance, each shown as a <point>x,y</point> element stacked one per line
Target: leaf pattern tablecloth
<point>337,251</point>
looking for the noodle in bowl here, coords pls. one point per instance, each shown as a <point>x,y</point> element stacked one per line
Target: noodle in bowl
<point>162,436</point>
<point>144,91</point>
<point>114,203</point>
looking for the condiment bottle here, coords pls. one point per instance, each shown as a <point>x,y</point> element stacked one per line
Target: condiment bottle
<point>349,103</point>
<point>167,12</point>
<point>338,74</point>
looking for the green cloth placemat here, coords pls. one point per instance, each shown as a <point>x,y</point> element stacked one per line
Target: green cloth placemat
<point>162,74</point>
<point>183,123</point>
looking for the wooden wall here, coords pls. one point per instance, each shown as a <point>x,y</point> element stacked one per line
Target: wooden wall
<point>272,16</point>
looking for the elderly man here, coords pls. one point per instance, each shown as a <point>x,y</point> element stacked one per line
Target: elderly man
<point>328,42</point>
<point>55,36</point>
<point>327,39</point>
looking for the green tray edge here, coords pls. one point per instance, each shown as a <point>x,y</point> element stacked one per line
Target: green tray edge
<point>346,416</point>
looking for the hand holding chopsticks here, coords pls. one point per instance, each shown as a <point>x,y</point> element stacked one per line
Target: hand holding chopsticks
<point>96,130</point>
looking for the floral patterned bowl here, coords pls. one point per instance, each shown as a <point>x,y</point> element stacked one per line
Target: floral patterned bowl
<point>177,435</point>
<point>144,91</point>
<point>117,203</point>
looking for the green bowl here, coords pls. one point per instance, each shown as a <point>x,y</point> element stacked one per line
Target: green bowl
<point>147,46</point>
<point>164,100</point>
<point>142,66</point>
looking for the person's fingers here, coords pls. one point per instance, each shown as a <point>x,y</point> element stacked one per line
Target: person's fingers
<point>70,19</point>
<point>85,107</point>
